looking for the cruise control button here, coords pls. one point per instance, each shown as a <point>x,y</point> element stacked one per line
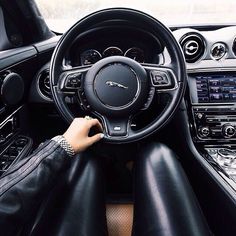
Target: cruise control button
<point>73,80</point>
<point>160,78</point>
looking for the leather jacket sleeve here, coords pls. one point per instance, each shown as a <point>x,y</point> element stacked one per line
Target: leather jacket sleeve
<point>23,186</point>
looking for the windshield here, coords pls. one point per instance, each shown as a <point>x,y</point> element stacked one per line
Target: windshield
<point>61,14</point>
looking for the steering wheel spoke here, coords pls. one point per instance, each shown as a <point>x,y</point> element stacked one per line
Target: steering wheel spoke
<point>116,127</point>
<point>162,78</point>
<point>72,79</point>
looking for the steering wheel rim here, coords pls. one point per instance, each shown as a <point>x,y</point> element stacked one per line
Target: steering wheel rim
<point>176,67</point>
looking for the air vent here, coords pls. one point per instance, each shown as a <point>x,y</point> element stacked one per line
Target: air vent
<point>193,47</point>
<point>218,51</point>
<point>44,84</point>
<point>234,47</point>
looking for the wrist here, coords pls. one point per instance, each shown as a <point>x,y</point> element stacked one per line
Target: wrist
<point>61,140</point>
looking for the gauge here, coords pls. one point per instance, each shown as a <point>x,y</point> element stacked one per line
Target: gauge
<point>136,54</point>
<point>112,51</point>
<point>218,51</point>
<point>90,56</point>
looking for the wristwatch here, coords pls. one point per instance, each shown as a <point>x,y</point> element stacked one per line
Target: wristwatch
<point>64,144</point>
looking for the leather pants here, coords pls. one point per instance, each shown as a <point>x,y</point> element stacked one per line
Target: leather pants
<point>164,203</point>
<point>76,205</point>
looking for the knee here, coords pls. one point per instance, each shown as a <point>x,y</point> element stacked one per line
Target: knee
<point>157,151</point>
<point>157,156</point>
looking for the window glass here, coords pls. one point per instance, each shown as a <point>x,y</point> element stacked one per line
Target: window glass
<point>61,14</point>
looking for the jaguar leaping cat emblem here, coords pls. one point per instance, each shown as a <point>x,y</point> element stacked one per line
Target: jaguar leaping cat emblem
<point>114,84</point>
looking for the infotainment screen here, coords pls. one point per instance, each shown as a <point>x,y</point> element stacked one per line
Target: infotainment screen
<point>217,88</point>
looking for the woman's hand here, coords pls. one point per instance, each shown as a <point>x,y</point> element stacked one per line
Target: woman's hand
<point>77,134</point>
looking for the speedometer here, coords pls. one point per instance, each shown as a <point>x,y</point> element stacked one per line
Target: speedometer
<point>136,54</point>
<point>90,56</point>
<point>112,51</point>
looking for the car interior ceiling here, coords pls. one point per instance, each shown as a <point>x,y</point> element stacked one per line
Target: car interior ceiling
<point>202,131</point>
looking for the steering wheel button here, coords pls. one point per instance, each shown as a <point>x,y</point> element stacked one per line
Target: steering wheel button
<point>73,81</point>
<point>117,128</point>
<point>160,78</point>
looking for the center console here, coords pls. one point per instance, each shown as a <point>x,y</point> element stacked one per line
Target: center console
<point>13,145</point>
<point>212,108</point>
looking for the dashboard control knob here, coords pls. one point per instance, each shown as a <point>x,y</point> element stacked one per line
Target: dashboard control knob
<point>228,131</point>
<point>204,131</point>
<point>227,157</point>
<point>199,115</point>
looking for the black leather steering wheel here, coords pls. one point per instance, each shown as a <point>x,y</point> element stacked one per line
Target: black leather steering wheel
<point>118,87</point>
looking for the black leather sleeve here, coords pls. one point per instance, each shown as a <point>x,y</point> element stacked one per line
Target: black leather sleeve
<point>24,186</point>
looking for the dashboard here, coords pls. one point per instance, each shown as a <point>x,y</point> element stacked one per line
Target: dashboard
<point>210,57</point>
<point>103,42</point>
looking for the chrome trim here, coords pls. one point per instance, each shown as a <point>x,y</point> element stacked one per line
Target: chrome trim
<point>212,70</point>
<point>10,117</point>
<point>38,88</point>
<point>216,45</point>
<point>114,84</point>
<point>201,37</point>
<point>224,172</point>
<point>134,48</point>
<point>135,96</point>
<point>113,47</point>
<point>187,48</point>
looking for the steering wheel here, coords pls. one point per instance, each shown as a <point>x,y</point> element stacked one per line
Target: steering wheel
<point>116,88</point>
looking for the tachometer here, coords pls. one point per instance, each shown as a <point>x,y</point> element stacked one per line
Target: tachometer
<point>136,54</point>
<point>112,51</point>
<point>90,56</point>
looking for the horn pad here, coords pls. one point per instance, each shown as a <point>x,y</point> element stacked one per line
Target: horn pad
<point>116,86</point>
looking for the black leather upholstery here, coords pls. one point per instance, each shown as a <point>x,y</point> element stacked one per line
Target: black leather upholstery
<point>164,201</point>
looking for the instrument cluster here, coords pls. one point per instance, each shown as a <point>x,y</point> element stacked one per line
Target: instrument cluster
<point>106,41</point>
<point>91,56</point>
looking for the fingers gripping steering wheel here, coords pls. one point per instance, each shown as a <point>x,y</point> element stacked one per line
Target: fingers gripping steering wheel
<point>117,87</point>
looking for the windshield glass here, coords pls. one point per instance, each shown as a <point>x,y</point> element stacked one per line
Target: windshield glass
<point>61,14</point>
